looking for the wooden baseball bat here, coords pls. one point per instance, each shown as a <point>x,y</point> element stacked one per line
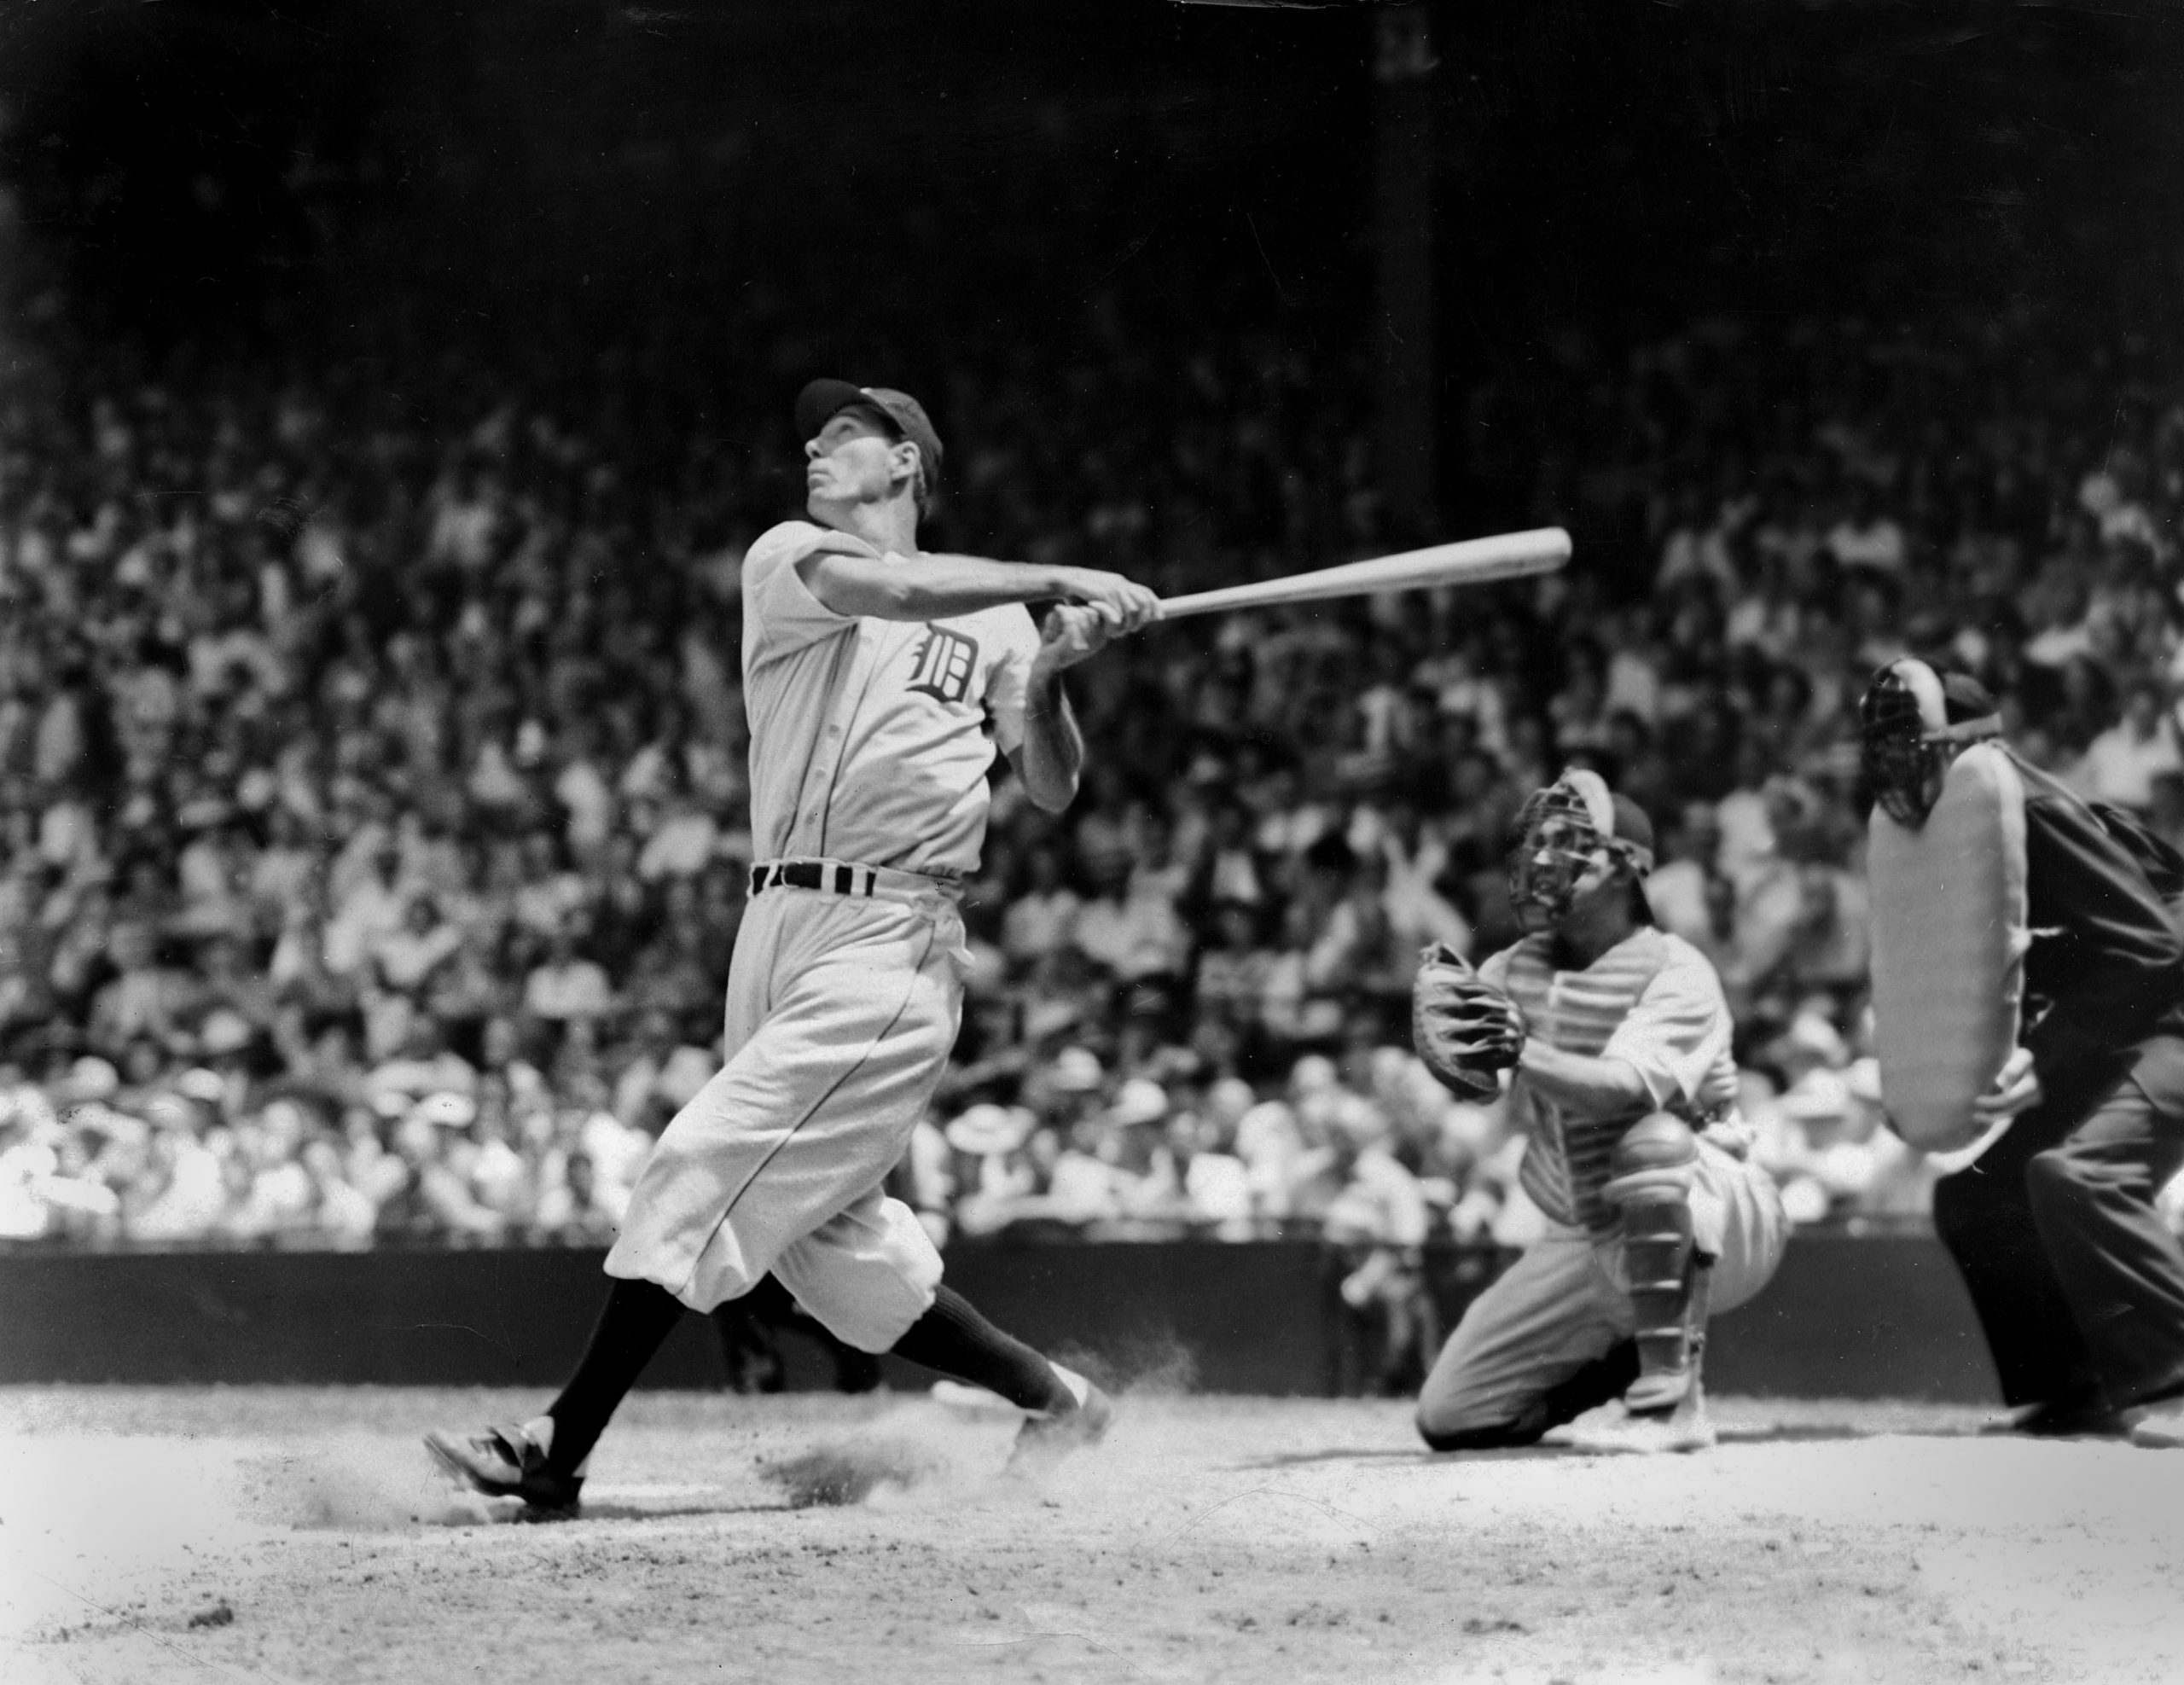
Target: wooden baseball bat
<point>1473,562</point>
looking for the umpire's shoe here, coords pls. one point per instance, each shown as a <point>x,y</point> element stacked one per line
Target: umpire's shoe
<point>2162,1426</point>
<point>506,1463</point>
<point>2082,1417</point>
<point>1051,1435</point>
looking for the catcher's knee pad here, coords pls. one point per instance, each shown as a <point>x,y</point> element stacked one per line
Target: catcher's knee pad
<point>1666,1277</point>
<point>1659,1141</point>
<point>1527,1428</point>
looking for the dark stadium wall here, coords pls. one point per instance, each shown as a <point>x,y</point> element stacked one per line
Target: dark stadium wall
<point>1604,170</point>
<point>1860,1316</point>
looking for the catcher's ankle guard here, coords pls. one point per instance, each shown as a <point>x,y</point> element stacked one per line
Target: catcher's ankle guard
<point>1667,1279</point>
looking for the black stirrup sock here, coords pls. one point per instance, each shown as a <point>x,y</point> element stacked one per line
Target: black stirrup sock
<point>638,1317</point>
<point>953,1339</point>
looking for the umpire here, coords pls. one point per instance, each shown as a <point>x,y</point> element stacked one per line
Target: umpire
<point>2079,1282</point>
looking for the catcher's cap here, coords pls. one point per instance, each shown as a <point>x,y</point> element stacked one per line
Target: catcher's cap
<point>821,401</point>
<point>1618,819</point>
<point>1614,816</point>
<point>1632,824</point>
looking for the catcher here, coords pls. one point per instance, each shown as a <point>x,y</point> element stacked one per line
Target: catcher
<point>1618,1036</point>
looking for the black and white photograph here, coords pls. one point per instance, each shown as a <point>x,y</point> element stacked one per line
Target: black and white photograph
<point>1205,841</point>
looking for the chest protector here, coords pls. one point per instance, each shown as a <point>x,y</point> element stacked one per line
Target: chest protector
<point>1948,943</point>
<point>1567,1159</point>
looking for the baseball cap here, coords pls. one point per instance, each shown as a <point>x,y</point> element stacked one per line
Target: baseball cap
<point>1633,827</point>
<point>1613,814</point>
<point>821,400</point>
<point>1631,823</point>
<point>1965,700</point>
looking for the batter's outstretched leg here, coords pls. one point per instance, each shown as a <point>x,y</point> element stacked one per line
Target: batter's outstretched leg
<point>1065,1410</point>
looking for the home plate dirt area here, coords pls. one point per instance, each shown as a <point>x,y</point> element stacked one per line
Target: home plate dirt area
<point>278,1535</point>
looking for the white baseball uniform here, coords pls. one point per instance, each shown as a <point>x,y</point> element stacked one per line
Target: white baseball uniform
<point>1654,1001</point>
<point>871,741</point>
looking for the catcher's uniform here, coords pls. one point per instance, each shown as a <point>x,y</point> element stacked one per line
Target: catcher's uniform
<point>1654,1001</point>
<point>870,744</point>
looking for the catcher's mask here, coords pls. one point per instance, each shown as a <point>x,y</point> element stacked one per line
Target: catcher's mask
<point>1906,741</point>
<point>1564,842</point>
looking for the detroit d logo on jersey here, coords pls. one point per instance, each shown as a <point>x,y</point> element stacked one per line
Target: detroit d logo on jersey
<point>943,666</point>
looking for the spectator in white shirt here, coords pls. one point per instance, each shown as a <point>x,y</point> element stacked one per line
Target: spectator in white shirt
<point>1042,917</point>
<point>1132,928</point>
<point>404,959</point>
<point>373,906</point>
<point>566,986</point>
<point>2121,764</point>
<point>1867,538</point>
<point>585,796</point>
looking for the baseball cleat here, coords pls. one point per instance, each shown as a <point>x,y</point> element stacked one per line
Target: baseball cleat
<point>1660,1394</point>
<point>1683,1428</point>
<point>972,1401</point>
<point>2162,1426</point>
<point>1051,1435</point>
<point>506,1463</point>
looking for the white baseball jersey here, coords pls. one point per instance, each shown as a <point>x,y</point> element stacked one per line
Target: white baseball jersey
<point>870,744</point>
<point>869,739</point>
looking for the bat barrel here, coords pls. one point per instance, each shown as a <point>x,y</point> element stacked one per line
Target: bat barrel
<point>1473,562</point>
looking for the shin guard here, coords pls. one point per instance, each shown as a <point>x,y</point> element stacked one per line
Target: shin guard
<point>1667,1279</point>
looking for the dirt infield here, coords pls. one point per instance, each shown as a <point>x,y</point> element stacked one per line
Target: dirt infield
<point>279,1535</point>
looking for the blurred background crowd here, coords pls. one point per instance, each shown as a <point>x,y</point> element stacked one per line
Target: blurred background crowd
<point>373,824</point>
<point>373,834</point>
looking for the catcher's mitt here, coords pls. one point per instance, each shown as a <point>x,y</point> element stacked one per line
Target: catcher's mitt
<point>1466,1030</point>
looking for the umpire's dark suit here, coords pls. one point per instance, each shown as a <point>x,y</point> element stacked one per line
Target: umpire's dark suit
<point>2079,1283</point>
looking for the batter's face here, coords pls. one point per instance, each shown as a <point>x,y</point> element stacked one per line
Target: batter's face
<point>855,458</point>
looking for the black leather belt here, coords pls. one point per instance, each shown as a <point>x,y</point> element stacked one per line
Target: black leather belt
<point>813,874</point>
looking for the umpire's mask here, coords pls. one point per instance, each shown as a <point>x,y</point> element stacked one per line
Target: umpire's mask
<point>1906,739</point>
<point>1564,842</point>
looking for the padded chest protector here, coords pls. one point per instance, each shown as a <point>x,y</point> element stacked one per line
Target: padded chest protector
<point>1948,943</point>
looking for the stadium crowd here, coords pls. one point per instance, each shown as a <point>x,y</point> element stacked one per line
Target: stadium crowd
<point>372,822</point>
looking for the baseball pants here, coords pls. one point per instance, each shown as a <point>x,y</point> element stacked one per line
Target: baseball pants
<point>1564,1304</point>
<point>2079,1283</point>
<point>841,1011</point>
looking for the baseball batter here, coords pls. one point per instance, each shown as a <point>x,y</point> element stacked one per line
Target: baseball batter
<point>880,680</point>
<point>1619,1037</point>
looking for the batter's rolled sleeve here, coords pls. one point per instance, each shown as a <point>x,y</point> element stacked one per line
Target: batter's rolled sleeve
<point>1678,1032</point>
<point>1011,676</point>
<point>780,613</point>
